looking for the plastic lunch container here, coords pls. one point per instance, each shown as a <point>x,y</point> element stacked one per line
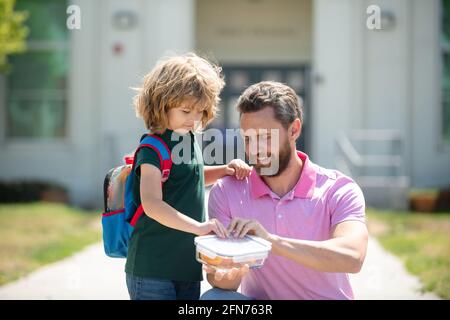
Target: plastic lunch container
<point>230,252</point>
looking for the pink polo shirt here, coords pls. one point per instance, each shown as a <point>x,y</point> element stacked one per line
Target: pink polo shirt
<point>321,199</point>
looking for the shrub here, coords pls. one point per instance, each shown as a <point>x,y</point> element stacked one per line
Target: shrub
<point>31,191</point>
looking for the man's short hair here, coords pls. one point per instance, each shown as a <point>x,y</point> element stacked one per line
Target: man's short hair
<point>286,104</point>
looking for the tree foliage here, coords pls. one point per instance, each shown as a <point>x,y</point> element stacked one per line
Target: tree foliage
<point>13,32</point>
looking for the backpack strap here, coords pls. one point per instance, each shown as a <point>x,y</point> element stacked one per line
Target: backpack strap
<point>162,150</point>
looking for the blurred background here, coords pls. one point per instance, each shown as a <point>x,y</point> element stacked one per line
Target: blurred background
<point>376,100</point>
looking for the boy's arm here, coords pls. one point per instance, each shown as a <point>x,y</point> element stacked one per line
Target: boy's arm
<point>236,168</point>
<point>212,173</point>
<point>157,209</point>
<point>218,208</point>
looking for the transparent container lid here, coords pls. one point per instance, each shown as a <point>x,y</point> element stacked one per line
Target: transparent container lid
<point>239,250</point>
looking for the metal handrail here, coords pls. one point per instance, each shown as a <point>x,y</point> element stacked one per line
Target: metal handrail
<point>350,157</point>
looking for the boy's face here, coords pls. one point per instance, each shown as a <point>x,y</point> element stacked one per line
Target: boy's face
<point>187,117</point>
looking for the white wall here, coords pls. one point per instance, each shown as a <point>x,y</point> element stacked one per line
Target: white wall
<point>332,76</point>
<point>431,156</point>
<point>117,126</point>
<point>163,27</point>
<point>387,79</point>
<point>364,79</point>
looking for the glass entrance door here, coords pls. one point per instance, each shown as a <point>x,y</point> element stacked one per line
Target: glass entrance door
<point>238,78</point>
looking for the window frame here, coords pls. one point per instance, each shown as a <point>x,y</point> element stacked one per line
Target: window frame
<point>39,46</point>
<point>444,48</point>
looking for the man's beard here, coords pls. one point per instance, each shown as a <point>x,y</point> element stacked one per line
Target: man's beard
<point>283,161</point>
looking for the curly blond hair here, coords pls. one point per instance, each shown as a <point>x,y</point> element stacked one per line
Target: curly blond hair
<point>173,80</point>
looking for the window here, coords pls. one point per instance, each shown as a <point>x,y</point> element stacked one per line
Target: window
<point>36,88</point>
<point>445,45</point>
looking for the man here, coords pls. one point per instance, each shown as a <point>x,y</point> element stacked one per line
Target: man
<point>313,217</point>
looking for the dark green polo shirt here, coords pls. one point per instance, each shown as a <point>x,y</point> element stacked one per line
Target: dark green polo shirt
<point>156,250</point>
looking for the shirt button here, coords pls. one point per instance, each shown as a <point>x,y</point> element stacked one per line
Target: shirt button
<point>280,216</point>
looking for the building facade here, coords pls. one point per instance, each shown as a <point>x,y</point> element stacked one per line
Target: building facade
<point>376,101</point>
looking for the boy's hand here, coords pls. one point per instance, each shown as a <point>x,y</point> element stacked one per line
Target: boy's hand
<point>238,168</point>
<point>212,225</point>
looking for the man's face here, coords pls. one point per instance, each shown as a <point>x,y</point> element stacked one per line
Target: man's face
<point>267,145</point>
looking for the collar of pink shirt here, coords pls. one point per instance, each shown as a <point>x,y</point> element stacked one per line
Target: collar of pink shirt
<point>303,189</point>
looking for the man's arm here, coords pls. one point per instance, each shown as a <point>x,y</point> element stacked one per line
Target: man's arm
<point>344,252</point>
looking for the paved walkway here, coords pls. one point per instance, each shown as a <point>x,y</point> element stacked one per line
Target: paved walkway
<point>89,274</point>
<point>383,276</point>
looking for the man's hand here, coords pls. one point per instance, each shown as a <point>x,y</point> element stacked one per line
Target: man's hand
<point>238,168</point>
<point>240,227</point>
<point>229,274</point>
<point>227,279</point>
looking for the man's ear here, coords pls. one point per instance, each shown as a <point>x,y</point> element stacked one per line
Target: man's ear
<point>296,129</point>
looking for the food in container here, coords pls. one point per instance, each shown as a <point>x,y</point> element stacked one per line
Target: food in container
<point>227,253</point>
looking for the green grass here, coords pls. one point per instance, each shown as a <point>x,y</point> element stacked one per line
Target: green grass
<point>33,235</point>
<point>421,240</point>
